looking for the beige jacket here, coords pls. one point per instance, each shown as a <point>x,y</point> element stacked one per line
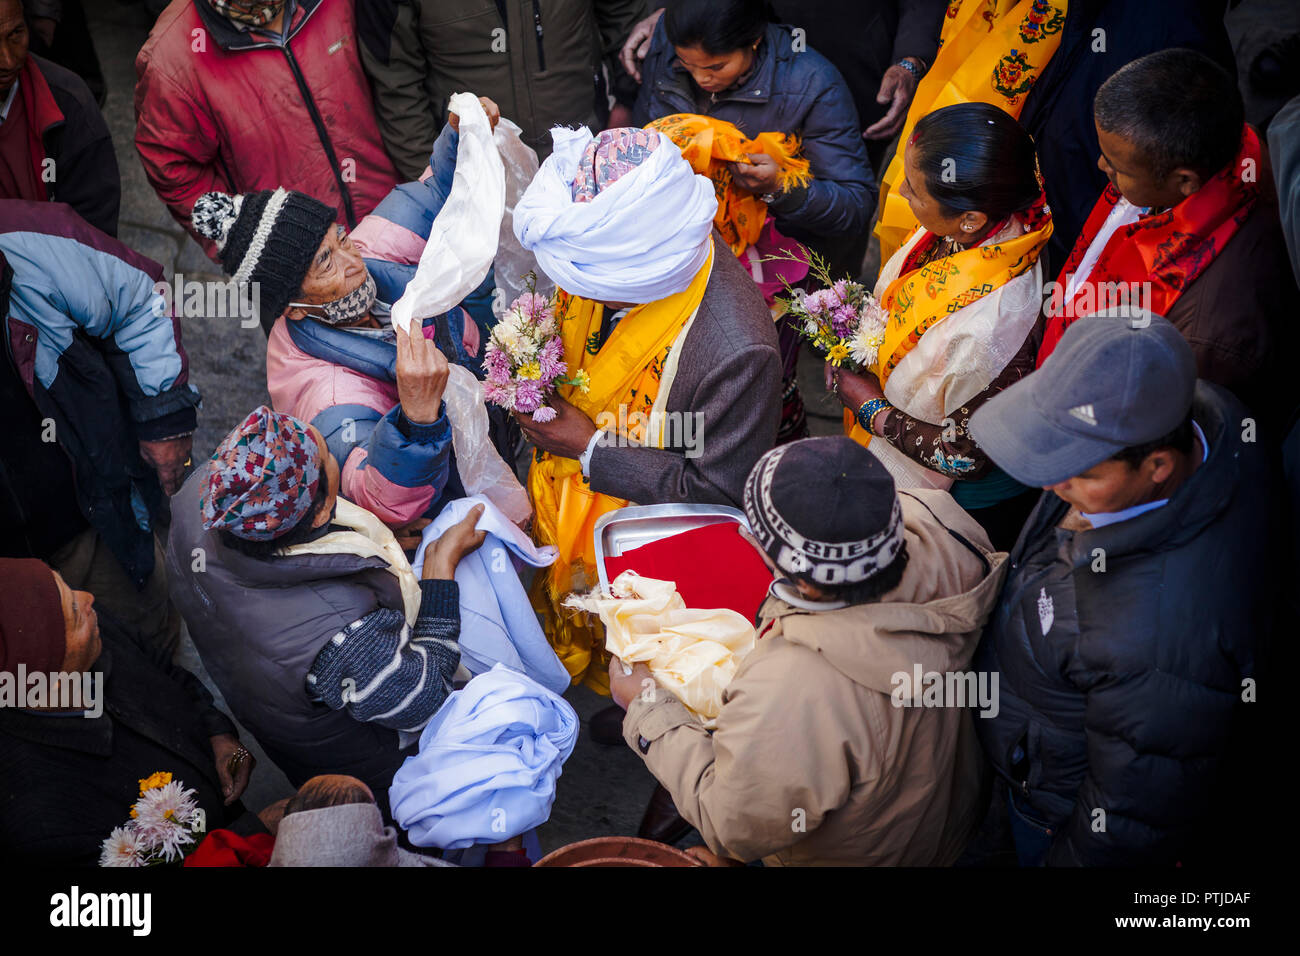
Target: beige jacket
<point>811,763</point>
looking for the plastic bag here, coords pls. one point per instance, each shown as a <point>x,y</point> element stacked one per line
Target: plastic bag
<point>482,470</point>
<point>459,253</point>
<point>513,261</point>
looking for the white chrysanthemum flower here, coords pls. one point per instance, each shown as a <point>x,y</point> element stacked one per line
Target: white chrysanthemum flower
<point>546,326</point>
<point>510,340</point>
<point>869,336</point>
<point>122,848</point>
<point>163,818</point>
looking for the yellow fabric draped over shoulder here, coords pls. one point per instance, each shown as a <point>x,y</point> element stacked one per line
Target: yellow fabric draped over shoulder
<point>709,144</point>
<point>990,51</point>
<point>628,372</point>
<point>919,299</point>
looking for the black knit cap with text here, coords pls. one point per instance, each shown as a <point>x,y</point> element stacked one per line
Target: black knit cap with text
<point>825,509</point>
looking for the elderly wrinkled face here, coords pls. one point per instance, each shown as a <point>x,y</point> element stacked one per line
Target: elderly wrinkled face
<point>13,44</point>
<point>331,472</point>
<point>81,624</point>
<point>336,270</point>
<point>714,72</point>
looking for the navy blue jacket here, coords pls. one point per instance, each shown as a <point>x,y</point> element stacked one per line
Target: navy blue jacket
<point>1121,653</point>
<point>788,92</point>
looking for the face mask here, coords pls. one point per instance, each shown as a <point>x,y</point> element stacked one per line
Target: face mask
<point>349,308</point>
<point>256,13</point>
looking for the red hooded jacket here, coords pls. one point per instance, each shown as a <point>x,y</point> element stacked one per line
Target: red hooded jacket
<point>220,108</point>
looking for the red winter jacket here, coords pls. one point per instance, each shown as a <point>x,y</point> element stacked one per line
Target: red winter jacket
<point>218,108</point>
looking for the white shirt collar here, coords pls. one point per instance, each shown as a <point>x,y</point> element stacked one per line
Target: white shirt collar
<point>9,101</point>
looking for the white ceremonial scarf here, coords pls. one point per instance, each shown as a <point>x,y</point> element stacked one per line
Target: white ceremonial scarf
<point>957,358</point>
<point>641,239</point>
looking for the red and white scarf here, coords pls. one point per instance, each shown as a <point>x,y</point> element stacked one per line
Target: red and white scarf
<point>1168,250</point>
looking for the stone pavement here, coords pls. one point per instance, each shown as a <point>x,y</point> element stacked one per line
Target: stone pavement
<point>603,789</point>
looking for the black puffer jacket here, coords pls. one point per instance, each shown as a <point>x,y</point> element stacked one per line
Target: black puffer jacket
<point>1119,689</point>
<point>786,92</point>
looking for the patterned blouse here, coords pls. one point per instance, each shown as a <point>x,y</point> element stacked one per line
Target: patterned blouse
<point>948,448</point>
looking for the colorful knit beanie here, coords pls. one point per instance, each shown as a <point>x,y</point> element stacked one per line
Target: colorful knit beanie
<point>262,477</point>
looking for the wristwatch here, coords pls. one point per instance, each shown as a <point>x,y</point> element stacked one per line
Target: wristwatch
<point>907,64</point>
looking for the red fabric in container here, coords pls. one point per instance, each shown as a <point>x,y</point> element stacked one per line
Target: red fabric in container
<point>227,848</point>
<point>712,566</point>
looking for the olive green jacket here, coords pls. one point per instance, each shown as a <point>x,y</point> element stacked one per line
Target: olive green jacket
<point>544,63</point>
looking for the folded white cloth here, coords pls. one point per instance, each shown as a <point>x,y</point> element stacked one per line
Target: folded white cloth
<point>487,764</point>
<point>640,239</point>
<point>497,621</point>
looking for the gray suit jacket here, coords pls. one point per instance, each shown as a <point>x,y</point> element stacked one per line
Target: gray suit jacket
<point>729,372</point>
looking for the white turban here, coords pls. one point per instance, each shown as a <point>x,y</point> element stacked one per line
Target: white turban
<point>642,238</point>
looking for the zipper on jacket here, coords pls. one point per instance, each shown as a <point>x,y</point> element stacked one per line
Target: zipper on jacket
<point>322,134</point>
<point>537,28</point>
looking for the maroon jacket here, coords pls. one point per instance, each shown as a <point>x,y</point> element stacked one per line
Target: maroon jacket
<point>219,108</point>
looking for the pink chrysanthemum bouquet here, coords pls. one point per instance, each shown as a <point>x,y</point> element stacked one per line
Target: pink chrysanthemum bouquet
<point>524,358</point>
<point>843,320</point>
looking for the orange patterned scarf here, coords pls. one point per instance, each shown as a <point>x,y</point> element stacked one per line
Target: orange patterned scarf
<point>709,144</point>
<point>990,51</point>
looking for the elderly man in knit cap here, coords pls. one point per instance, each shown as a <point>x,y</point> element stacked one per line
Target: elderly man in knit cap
<point>680,351</point>
<point>332,359</point>
<point>304,608</point>
<point>844,737</point>
<point>1137,601</point>
<point>86,710</point>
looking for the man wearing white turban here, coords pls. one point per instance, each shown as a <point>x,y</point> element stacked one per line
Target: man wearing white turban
<point>679,348</point>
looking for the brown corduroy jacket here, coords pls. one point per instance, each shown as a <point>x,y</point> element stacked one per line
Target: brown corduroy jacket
<point>729,381</point>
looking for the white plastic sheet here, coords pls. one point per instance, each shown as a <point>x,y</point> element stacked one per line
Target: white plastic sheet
<point>462,244</point>
<point>513,261</point>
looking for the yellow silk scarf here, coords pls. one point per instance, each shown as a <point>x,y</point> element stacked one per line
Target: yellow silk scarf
<point>991,51</point>
<point>626,373</point>
<point>709,144</point>
<point>919,299</point>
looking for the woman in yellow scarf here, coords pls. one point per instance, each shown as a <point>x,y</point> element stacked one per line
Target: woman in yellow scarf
<point>963,295</point>
<point>990,51</point>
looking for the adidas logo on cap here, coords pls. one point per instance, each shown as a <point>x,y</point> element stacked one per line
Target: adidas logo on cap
<point>1085,414</point>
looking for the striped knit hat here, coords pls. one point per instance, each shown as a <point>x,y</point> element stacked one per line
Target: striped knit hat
<point>825,509</point>
<point>267,237</point>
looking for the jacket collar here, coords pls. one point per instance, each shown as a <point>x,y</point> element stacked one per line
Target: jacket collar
<point>871,643</point>
<point>91,735</point>
<point>677,83</point>
<point>360,353</point>
<point>233,40</point>
<point>42,110</point>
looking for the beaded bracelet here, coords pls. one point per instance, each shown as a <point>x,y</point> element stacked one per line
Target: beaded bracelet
<point>869,409</point>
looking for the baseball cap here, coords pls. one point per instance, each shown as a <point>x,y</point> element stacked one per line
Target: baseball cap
<point>1123,377</point>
